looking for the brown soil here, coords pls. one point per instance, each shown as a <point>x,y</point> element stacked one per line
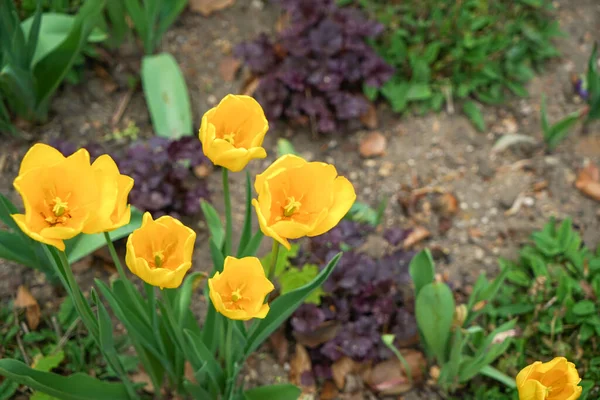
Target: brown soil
<point>441,152</point>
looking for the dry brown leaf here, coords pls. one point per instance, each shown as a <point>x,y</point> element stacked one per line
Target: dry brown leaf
<point>25,300</point>
<point>228,68</point>
<point>279,344</point>
<point>324,333</point>
<point>373,145</point>
<point>588,181</point>
<point>340,369</point>
<point>329,391</point>
<point>142,377</point>
<point>448,204</point>
<point>389,377</point>
<point>418,234</point>
<point>301,370</point>
<point>369,119</point>
<point>188,371</point>
<point>207,7</point>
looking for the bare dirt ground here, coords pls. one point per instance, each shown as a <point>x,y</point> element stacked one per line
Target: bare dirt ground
<point>432,154</point>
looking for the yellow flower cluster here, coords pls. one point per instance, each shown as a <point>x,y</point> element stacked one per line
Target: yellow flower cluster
<point>66,196</point>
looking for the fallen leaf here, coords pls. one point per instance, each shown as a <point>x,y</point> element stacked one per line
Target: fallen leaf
<point>502,336</point>
<point>228,68</point>
<point>301,370</point>
<point>340,369</point>
<point>142,377</point>
<point>329,391</point>
<point>207,7</point>
<point>510,140</point>
<point>188,372</point>
<point>202,170</point>
<point>389,377</point>
<point>475,233</point>
<point>448,204</point>
<point>588,181</point>
<point>25,300</point>
<point>418,234</point>
<point>324,333</point>
<point>369,119</point>
<point>280,345</point>
<point>250,86</point>
<point>373,145</point>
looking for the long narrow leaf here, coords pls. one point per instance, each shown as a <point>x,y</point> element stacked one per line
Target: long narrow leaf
<point>74,387</point>
<point>34,33</point>
<point>247,229</point>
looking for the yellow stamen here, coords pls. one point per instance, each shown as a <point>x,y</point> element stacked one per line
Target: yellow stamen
<point>236,295</point>
<point>291,207</point>
<point>230,137</point>
<point>60,207</point>
<point>158,258</point>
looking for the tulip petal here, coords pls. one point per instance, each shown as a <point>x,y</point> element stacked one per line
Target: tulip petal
<point>284,162</point>
<point>266,229</point>
<point>532,390</point>
<point>20,221</point>
<point>262,313</point>
<point>236,159</point>
<point>40,155</point>
<point>344,197</point>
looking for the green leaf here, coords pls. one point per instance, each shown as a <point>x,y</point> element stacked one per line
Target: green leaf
<point>293,278</point>
<point>184,294</point>
<point>7,388</point>
<point>274,392</point>
<point>517,88</point>
<point>419,91</point>
<point>74,387</point>
<point>49,362</point>
<point>284,147</point>
<point>396,93</point>
<point>167,96</point>
<point>51,70</point>
<point>253,244</point>
<point>83,245</point>
<point>472,111</point>
<point>204,355</point>
<point>422,270</point>
<point>560,130</point>
<point>370,91</point>
<point>283,258</point>
<point>544,117</point>
<point>284,306</point>
<point>54,29</point>
<point>217,233</point>
<point>501,377</point>
<point>434,310</point>
<point>14,248</point>
<point>584,307</point>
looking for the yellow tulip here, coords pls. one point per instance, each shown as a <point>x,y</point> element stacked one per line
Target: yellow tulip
<point>114,189</point>
<point>232,133</point>
<point>160,252</point>
<point>297,198</point>
<point>60,195</point>
<point>553,380</point>
<point>239,291</point>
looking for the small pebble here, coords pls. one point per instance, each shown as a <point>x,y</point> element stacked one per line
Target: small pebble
<point>470,148</point>
<point>353,175</point>
<point>370,163</point>
<point>485,220</point>
<point>479,254</point>
<point>493,211</point>
<point>464,206</point>
<point>329,160</point>
<point>476,206</point>
<point>529,201</point>
<point>411,162</point>
<point>211,99</point>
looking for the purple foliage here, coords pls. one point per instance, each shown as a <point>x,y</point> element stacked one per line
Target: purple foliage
<point>162,170</point>
<point>363,294</point>
<point>316,67</point>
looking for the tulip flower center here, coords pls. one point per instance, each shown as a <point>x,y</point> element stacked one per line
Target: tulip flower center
<point>236,295</point>
<point>230,137</point>
<point>159,258</point>
<point>60,211</point>
<point>291,207</point>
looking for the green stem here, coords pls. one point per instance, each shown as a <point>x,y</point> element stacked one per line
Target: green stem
<point>180,341</point>
<point>228,226</point>
<point>274,256</point>
<point>228,348</point>
<point>91,323</point>
<point>131,291</point>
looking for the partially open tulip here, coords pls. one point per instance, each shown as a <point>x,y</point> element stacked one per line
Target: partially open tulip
<point>160,252</point>
<point>554,380</point>
<point>239,291</point>
<point>297,198</point>
<point>232,133</point>
<point>62,195</point>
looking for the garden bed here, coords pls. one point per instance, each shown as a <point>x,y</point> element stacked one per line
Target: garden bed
<point>471,203</point>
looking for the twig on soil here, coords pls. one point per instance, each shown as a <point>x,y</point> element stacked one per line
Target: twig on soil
<point>65,338</point>
<point>122,106</point>
<point>56,326</point>
<point>19,341</point>
<point>516,165</point>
